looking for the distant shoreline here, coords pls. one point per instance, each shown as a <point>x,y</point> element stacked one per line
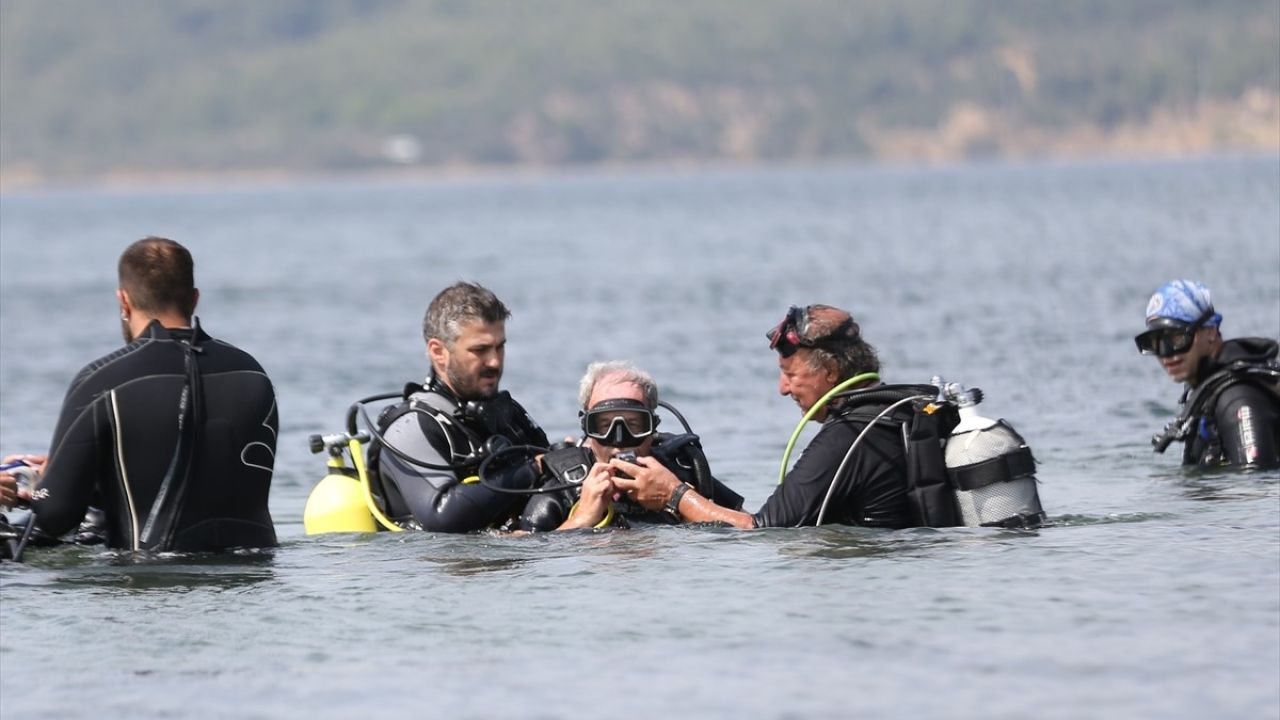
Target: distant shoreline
<point>13,183</point>
<point>968,133</point>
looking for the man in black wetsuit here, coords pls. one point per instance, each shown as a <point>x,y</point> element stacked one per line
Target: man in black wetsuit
<point>618,414</point>
<point>434,441</point>
<point>173,435</point>
<point>818,348</point>
<point>1231,403</point>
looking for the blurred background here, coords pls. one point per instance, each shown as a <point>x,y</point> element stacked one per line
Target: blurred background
<point>161,91</point>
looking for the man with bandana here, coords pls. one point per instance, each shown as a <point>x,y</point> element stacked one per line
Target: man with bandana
<point>427,462</point>
<point>1231,401</point>
<point>618,404</point>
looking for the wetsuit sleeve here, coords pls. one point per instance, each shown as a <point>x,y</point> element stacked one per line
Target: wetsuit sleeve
<point>797,500</point>
<point>438,499</point>
<point>1248,426</point>
<point>872,491</point>
<point>62,494</point>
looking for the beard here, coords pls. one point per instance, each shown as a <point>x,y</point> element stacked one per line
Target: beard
<point>125,331</point>
<point>467,387</point>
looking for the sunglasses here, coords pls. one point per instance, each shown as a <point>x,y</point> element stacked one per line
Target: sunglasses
<point>789,335</point>
<point>1168,341</point>
<point>621,422</point>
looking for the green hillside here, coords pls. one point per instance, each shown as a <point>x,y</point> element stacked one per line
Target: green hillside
<point>138,86</point>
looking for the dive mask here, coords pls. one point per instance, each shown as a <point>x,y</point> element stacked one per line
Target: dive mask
<point>1167,337</point>
<point>789,335</point>
<point>621,422</point>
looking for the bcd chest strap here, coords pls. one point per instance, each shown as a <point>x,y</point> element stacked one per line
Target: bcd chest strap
<point>1200,401</point>
<point>568,465</point>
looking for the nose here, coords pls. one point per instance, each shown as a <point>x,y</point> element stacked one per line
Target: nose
<point>784,387</point>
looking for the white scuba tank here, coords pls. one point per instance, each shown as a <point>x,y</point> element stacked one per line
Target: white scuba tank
<point>991,469</point>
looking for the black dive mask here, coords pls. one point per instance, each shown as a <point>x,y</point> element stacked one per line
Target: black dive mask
<point>1167,337</point>
<point>620,422</point>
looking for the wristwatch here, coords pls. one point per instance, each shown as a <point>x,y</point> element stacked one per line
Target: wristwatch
<point>673,502</point>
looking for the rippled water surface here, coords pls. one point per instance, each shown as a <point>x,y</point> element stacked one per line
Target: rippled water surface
<point>1156,593</point>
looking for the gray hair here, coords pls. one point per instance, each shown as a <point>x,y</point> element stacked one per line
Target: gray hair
<point>461,302</point>
<point>619,370</point>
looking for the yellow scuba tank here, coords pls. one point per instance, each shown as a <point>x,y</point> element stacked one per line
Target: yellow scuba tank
<point>341,501</point>
<point>336,504</point>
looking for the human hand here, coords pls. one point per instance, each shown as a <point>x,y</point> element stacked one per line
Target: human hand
<point>35,462</point>
<point>8,489</point>
<point>645,481</point>
<point>593,501</point>
<point>11,493</point>
<point>597,488</point>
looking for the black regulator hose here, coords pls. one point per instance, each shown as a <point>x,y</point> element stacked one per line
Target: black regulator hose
<point>16,550</point>
<point>358,407</point>
<point>706,484</point>
<point>671,408</point>
<point>377,435</point>
<point>530,451</point>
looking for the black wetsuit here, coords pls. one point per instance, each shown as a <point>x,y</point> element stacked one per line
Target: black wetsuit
<point>1238,425</point>
<point>873,490</point>
<point>118,430</point>
<point>680,454</point>
<point>430,427</point>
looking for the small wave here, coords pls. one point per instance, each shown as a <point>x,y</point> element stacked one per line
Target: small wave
<point>1072,520</point>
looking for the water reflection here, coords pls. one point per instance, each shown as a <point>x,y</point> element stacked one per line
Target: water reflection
<point>467,555</point>
<point>1074,520</point>
<point>1218,485</point>
<point>84,567</point>
<point>840,542</point>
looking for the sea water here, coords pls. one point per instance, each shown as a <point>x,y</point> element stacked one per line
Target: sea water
<point>1154,593</point>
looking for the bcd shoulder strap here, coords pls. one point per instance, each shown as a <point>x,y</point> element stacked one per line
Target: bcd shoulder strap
<point>929,490</point>
<point>1205,396</point>
<point>925,426</point>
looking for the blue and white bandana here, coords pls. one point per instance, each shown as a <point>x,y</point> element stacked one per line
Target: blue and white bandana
<point>1184,301</point>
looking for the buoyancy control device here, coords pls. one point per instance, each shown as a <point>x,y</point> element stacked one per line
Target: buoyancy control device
<point>962,469</point>
<point>1204,397</point>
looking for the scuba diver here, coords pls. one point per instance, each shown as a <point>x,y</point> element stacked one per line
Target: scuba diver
<point>1231,402</point>
<point>877,461</point>
<point>618,418</point>
<point>172,436</point>
<point>428,452</point>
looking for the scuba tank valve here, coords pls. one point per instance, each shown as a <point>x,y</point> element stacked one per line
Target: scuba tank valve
<point>337,503</point>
